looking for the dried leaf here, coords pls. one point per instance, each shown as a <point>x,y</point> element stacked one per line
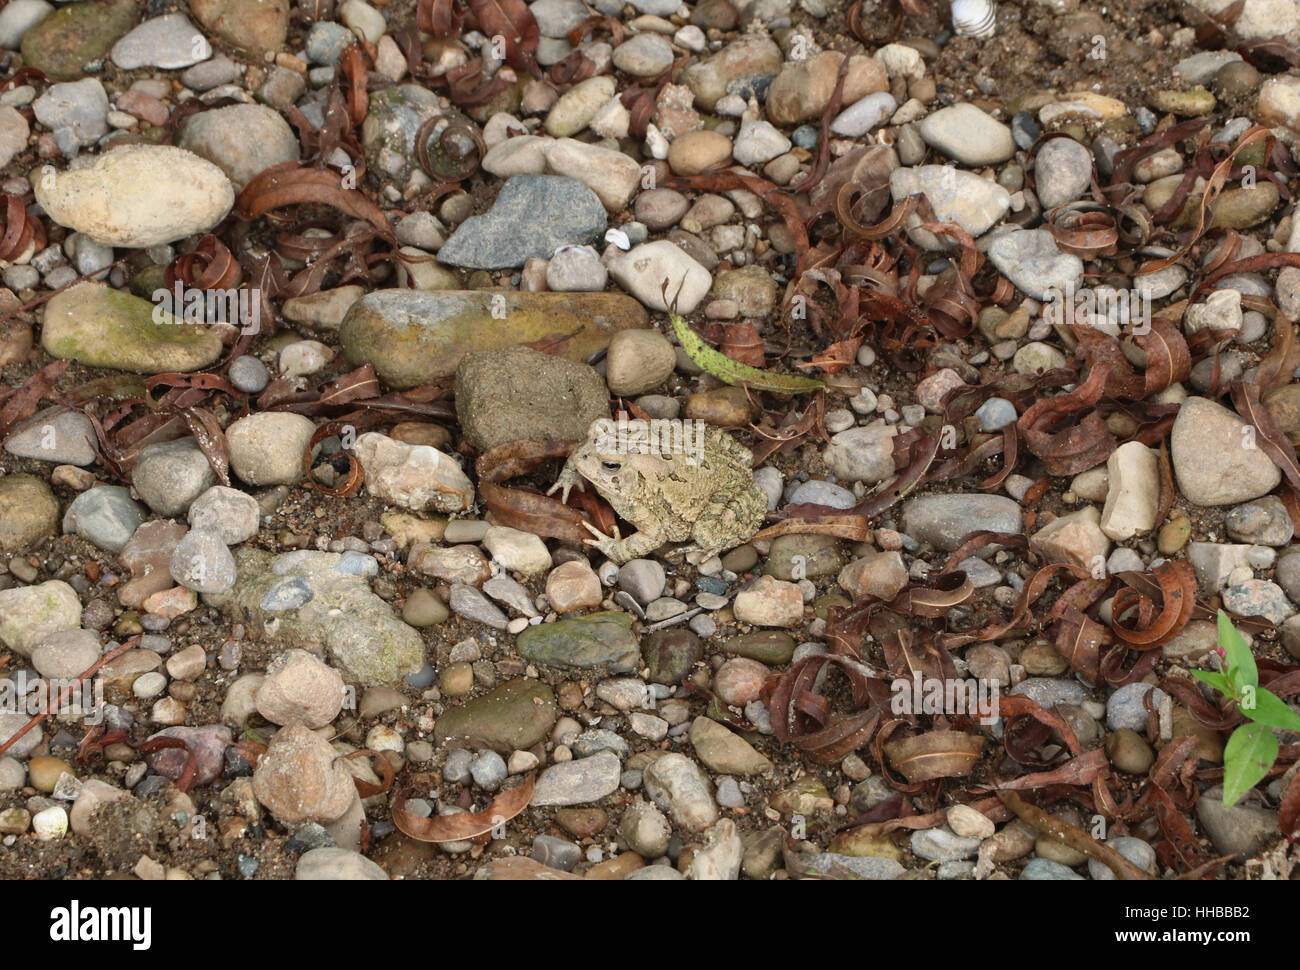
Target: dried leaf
<point>293,183</point>
<point>935,754</point>
<point>458,828</point>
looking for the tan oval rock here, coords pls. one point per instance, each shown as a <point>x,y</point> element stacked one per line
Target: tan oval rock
<point>138,196</point>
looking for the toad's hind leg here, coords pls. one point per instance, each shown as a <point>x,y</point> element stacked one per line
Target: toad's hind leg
<point>727,522</point>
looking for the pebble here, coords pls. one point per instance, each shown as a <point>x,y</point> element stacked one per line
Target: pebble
<point>1134,850</point>
<point>202,562</point>
<point>66,438</point>
<point>862,116</point>
<point>575,269</point>
<point>19,17</point>
<point>579,782</point>
<point>862,454</point>
<point>170,475</point>
<point>678,787</point>
<point>73,110</point>
<point>299,687</point>
<point>1126,707</point>
<point>66,654</point>
<point>1062,171</point>
<point>1264,522</point>
<point>1259,597</point>
<point>976,204</point>
<point>770,602</point>
<point>969,135</point>
<point>332,863</point>
<point>759,142</point>
<point>229,513</point>
<point>267,447</point>
<point>638,361</point>
<point>942,520</point>
<point>644,55</point>
<point>942,845</point>
<point>1030,259</point>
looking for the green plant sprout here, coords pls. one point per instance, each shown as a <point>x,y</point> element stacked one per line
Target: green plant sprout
<point>1252,749</point>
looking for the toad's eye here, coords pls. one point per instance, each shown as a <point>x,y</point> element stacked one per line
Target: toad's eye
<point>612,466</point>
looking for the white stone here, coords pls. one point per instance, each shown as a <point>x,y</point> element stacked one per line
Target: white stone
<point>1133,492</point>
<point>416,477</point>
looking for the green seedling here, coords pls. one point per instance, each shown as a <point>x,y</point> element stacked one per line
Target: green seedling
<point>1252,748</point>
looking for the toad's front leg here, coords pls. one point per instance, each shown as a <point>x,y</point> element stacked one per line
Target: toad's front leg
<point>619,550</point>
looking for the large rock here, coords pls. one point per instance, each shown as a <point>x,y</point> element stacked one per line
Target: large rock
<point>322,600</point>
<point>28,511</point>
<point>521,393</point>
<point>300,778</point>
<point>29,614</point>
<point>138,196</point>
<point>96,325</point>
<point>254,26</point>
<point>416,477</point>
<point>602,640</point>
<point>803,88</point>
<point>1216,459</point>
<point>513,717</point>
<point>413,337</point>
<point>942,520</point>
<point>76,35</point>
<point>974,203</point>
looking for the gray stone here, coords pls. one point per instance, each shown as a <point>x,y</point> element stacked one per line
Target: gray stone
<point>532,216</point>
<point>1134,850</point>
<point>230,513</point>
<point>942,520</point>
<point>80,107</point>
<point>1038,869</point>
<point>1216,459</point>
<point>202,562</point>
<point>1062,171</point>
<point>1243,829</point>
<point>976,204</point>
<point>943,845</point>
<point>1126,708</point>
<point>65,438</point>
<point>1030,259</point>
<point>240,139</point>
<point>169,42</point>
<point>358,629</point>
<point>578,782</point>
<point>966,133</point>
<point>170,475</point>
<point>104,516</point>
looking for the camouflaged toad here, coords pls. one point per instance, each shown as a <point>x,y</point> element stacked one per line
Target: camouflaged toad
<point>676,481</point>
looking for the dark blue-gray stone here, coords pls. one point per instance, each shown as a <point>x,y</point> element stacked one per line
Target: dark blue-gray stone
<point>533,216</point>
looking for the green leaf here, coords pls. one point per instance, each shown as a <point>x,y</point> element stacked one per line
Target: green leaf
<point>733,371</point>
<point>1247,756</point>
<point>1272,710</point>
<point>1241,662</point>
<point>1218,681</point>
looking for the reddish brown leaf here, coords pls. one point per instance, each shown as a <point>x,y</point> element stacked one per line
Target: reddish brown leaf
<point>467,825</point>
<point>293,183</point>
<point>935,754</point>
